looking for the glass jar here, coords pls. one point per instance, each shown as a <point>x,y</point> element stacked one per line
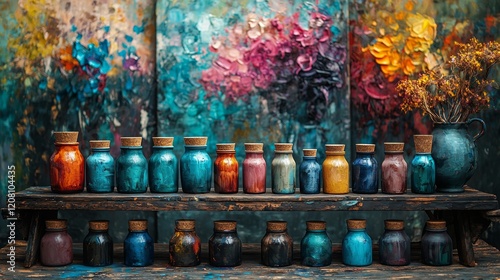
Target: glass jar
<point>357,244</point>
<point>309,173</point>
<point>138,247</point>
<point>98,245</point>
<point>394,244</point>
<point>185,245</point>
<point>254,169</point>
<point>162,166</point>
<point>394,169</point>
<point>196,166</point>
<point>365,170</point>
<point>226,169</point>
<point>335,170</point>
<point>316,246</point>
<point>224,247</point>
<point>423,168</point>
<point>67,165</point>
<point>56,245</point>
<point>283,169</point>
<point>437,246</point>
<point>131,167</point>
<point>276,245</point>
<point>100,172</point>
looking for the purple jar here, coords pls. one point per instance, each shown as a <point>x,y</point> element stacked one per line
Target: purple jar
<point>394,169</point>
<point>56,246</point>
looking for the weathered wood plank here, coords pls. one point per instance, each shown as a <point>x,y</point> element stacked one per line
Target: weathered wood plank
<point>35,234</point>
<point>463,227</point>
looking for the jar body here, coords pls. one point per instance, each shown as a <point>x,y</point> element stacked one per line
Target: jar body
<point>196,170</point>
<point>365,173</point>
<point>423,174</point>
<point>357,248</point>
<point>162,170</point>
<point>100,171</point>
<point>254,173</point>
<point>309,175</point>
<point>395,248</point>
<point>185,248</point>
<point>226,173</point>
<point>437,248</point>
<point>67,169</point>
<point>394,173</point>
<point>316,248</point>
<point>283,173</point>
<point>97,249</point>
<point>131,171</point>
<point>276,249</point>
<point>138,249</point>
<point>335,174</point>
<point>224,249</point>
<point>56,248</point>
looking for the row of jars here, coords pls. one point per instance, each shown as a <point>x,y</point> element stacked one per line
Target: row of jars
<point>225,247</point>
<point>134,173</point>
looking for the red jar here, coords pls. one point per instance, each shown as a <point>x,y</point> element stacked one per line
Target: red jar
<point>67,164</point>
<point>226,169</point>
<point>394,169</point>
<point>56,245</point>
<point>254,169</point>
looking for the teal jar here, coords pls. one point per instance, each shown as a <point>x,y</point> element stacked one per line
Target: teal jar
<point>138,246</point>
<point>316,246</point>
<point>196,166</point>
<point>283,169</point>
<point>423,168</point>
<point>100,168</point>
<point>357,244</point>
<point>162,169</point>
<point>131,167</point>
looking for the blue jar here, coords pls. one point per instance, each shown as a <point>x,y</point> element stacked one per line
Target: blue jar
<point>196,166</point>
<point>357,244</point>
<point>365,170</point>
<point>100,168</point>
<point>131,167</point>
<point>162,169</point>
<point>138,247</point>
<point>423,167</point>
<point>316,246</point>
<point>309,173</point>
<point>283,169</point>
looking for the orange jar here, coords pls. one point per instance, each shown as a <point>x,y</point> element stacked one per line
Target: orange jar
<point>67,164</point>
<point>226,169</point>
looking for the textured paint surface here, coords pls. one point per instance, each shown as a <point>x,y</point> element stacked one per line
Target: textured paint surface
<point>97,249</point>
<point>224,249</point>
<point>394,172</point>
<point>365,174</point>
<point>394,248</point>
<point>437,248</point>
<point>309,175</point>
<point>357,248</point>
<point>226,173</point>
<point>196,170</point>
<point>283,173</point>
<point>423,174</point>
<point>163,170</point>
<point>67,169</point>
<point>100,171</point>
<point>56,248</point>
<point>277,249</point>
<point>138,249</point>
<point>184,249</point>
<point>316,248</point>
<point>131,171</point>
<point>254,173</point>
<point>335,174</point>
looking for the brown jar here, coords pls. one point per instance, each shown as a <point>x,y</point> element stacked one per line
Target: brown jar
<point>56,246</point>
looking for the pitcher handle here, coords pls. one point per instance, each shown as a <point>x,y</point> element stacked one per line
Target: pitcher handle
<point>483,127</point>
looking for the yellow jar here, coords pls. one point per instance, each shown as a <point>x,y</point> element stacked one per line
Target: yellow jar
<point>335,170</point>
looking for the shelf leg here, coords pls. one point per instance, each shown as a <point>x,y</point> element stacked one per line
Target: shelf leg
<point>35,234</point>
<point>463,233</point>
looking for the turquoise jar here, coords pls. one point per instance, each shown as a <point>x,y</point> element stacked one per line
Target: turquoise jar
<point>131,167</point>
<point>138,247</point>
<point>357,244</point>
<point>309,173</point>
<point>100,168</point>
<point>162,168</point>
<point>196,166</point>
<point>365,170</point>
<point>423,168</point>
<point>436,244</point>
<point>316,246</point>
<point>283,169</point>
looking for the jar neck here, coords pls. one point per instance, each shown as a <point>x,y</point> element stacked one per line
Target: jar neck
<point>194,148</point>
<point>423,154</point>
<point>131,149</point>
<point>356,229</point>
<point>137,231</point>
<point>276,231</point>
<point>316,230</point>
<point>225,231</point>
<point>436,230</point>
<point>67,147</point>
<point>98,231</point>
<point>163,147</point>
<point>364,155</point>
<point>226,154</point>
<point>56,229</point>
<point>393,154</point>
<point>309,158</point>
<point>184,230</point>
<point>254,155</point>
<point>100,150</point>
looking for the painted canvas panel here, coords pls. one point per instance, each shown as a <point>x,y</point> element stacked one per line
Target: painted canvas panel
<point>253,71</point>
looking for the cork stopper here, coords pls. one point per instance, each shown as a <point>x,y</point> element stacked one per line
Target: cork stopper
<point>394,224</point>
<point>283,147</point>
<point>99,225</point>
<point>316,225</point>
<point>365,148</point>
<point>334,147</point>
<point>394,147</point>
<point>423,144</point>
<point>277,226</point>
<point>56,224</point>
<point>131,141</point>
<point>225,147</point>
<point>436,225</point>
<point>225,225</point>
<point>66,136</point>
<point>163,141</point>
<point>100,144</point>
<point>195,141</point>
<point>137,225</point>
<point>254,147</point>
<point>185,224</point>
<point>309,152</point>
<point>356,224</point>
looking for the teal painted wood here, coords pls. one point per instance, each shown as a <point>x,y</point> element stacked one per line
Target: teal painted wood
<point>309,175</point>
<point>283,169</point>
<point>131,171</point>
<point>163,170</point>
<point>357,248</point>
<point>100,171</point>
<point>138,249</point>
<point>316,248</point>
<point>365,173</point>
<point>196,170</point>
<point>423,174</point>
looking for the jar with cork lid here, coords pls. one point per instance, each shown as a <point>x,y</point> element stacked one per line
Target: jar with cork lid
<point>100,168</point>
<point>365,170</point>
<point>394,244</point>
<point>163,166</point>
<point>226,169</point>
<point>224,247</point>
<point>309,173</point>
<point>436,243</point>
<point>98,245</point>
<point>276,245</point>
<point>316,246</point>
<point>56,245</point>
<point>67,164</point>
<point>196,166</point>
<point>138,247</point>
<point>254,169</point>
<point>357,244</point>
<point>423,167</point>
<point>335,170</point>
<point>283,169</point>
<point>185,245</point>
<point>131,167</point>
<point>394,169</point>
